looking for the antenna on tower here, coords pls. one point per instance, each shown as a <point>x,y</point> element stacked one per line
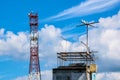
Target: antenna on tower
<point>87,24</point>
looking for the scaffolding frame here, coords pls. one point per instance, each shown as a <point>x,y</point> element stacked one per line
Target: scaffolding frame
<point>77,58</point>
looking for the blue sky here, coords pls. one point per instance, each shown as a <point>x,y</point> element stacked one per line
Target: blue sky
<point>57,18</point>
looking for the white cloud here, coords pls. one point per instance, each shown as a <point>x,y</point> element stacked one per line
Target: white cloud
<point>84,8</point>
<point>49,44</point>
<point>1,31</point>
<point>45,75</point>
<point>22,78</point>
<point>14,45</point>
<point>110,22</point>
<point>17,45</point>
<point>108,76</point>
<point>105,39</point>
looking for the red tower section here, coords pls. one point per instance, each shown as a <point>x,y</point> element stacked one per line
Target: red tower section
<point>34,69</point>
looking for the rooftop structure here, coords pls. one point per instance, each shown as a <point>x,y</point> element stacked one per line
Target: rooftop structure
<point>76,65</point>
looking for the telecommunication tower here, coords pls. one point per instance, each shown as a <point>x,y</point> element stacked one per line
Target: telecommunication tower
<point>34,69</point>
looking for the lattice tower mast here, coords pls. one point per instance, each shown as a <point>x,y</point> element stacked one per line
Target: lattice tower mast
<point>34,69</point>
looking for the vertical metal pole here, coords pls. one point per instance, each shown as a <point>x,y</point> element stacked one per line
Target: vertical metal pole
<point>87,35</point>
<point>87,46</point>
<point>86,72</point>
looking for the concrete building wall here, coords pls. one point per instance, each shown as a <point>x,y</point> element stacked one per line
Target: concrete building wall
<point>68,75</point>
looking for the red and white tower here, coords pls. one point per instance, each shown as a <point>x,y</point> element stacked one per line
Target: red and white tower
<point>34,69</point>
